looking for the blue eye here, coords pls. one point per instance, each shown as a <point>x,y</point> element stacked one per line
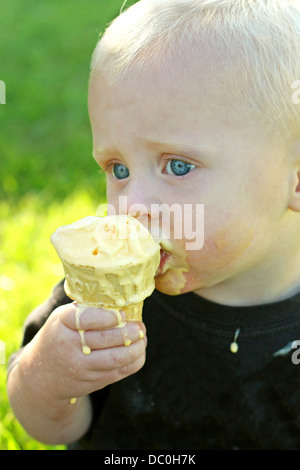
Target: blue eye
<point>179,167</point>
<point>120,171</point>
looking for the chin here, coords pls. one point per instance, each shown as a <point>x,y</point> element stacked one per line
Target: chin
<point>172,282</point>
<point>179,281</point>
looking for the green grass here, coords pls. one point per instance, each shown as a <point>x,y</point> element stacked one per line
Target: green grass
<point>31,268</point>
<point>47,174</point>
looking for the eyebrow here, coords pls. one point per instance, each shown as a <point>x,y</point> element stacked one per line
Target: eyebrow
<point>166,145</point>
<point>104,151</point>
<point>181,146</point>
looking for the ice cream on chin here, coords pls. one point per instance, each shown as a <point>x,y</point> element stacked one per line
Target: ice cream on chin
<point>109,262</point>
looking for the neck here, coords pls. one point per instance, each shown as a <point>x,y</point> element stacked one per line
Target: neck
<point>240,295</point>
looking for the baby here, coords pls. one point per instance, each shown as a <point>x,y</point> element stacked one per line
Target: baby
<point>190,102</point>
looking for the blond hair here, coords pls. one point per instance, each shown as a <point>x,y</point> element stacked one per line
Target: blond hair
<point>257,42</point>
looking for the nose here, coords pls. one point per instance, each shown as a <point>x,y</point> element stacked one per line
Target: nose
<point>146,209</point>
<point>139,200</point>
<point>139,210</point>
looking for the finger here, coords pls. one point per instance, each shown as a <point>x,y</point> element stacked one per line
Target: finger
<point>129,369</point>
<point>113,337</point>
<point>104,378</point>
<point>111,376</point>
<point>116,358</point>
<point>89,318</point>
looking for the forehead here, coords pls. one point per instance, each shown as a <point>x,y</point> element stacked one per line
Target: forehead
<point>181,88</point>
<point>188,98</point>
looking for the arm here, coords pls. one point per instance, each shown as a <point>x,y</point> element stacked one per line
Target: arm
<point>44,417</point>
<point>52,369</point>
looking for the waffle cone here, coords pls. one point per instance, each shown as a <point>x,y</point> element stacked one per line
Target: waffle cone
<point>133,312</point>
<point>109,262</point>
<point>125,288</point>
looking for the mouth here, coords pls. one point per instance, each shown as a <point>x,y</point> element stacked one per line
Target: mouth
<point>164,257</point>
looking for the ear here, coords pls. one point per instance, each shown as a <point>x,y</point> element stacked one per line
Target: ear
<point>294,201</point>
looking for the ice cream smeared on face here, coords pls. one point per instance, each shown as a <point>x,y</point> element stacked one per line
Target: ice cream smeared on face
<point>108,261</point>
<point>170,277</point>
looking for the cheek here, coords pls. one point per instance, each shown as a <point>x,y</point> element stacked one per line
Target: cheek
<point>230,242</point>
<point>225,252</point>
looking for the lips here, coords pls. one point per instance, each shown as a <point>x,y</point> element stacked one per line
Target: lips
<point>164,257</point>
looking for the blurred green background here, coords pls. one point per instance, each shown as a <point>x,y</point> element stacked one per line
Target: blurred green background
<point>47,174</point>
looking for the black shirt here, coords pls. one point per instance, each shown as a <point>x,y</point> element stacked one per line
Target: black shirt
<point>193,392</point>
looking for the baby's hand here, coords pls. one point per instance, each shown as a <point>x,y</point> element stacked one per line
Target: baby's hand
<point>56,361</point>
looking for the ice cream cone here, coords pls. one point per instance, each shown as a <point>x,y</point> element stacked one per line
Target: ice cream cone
<point>109,262</point>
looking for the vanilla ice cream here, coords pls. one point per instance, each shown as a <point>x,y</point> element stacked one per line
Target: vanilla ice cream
<point>109,262</point>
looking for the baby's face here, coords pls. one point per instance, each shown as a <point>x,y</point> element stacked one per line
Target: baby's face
<point>176,139</point>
